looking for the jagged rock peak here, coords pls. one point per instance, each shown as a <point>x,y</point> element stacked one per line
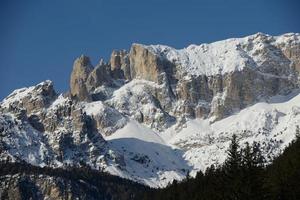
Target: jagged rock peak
<point>81,69</point>
<point>120,65</point>
<point>32,98</point>
<point>85,78</point>
<point>208,79</point>
<point>115,59</point>
<point>100,75</point>
<point>144,64</point>
<point>83,60</point>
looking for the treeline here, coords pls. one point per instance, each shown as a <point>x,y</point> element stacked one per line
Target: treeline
<point>107,186</point>
<point>243,176</point>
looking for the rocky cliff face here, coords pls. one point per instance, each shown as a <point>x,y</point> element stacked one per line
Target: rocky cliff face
<point>81,71</point>
<point>120,65</point>
<point>18,187</point>
<point>150,95</point>
<point>215,80</point>
<point>59,184</point>
<point>210,80</point>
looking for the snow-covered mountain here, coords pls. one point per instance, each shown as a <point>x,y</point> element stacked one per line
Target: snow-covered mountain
<point>155,113</point>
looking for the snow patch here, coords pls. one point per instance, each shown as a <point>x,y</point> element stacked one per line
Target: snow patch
<point>221,57</point>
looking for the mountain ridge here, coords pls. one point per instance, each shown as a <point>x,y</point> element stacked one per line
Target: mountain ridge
<point>151,114</point>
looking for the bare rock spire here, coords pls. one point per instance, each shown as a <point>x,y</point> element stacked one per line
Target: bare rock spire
<point>81,70</point>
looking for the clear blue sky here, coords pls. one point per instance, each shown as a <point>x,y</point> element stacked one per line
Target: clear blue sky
<point>40,39</point>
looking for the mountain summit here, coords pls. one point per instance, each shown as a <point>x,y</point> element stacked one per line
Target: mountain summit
<point>155,113</point>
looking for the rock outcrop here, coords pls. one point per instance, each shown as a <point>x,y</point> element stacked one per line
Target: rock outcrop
<point>100,75</point>
<point>85,79</point>
<point>120,65</point>
<point>54,129</point>
<point>81,70</point>
<point>59,186</point>
<point>144,64</point>
<point>31,99</point>
<point>267,66</point>
<point>206,81</point>
<point>18,187</point>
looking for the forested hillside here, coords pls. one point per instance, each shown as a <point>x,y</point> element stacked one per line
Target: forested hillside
<point>244,175</point>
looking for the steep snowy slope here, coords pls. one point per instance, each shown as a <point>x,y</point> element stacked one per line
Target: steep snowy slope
<point>134,151</point>
<point>272,124</point>
<point>224,56</point>
<point>147,155</point>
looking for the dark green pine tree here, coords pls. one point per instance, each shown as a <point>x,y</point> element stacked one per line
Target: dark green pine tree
<point>252,172</point>
<point>233,161</point>
<point>232,170</point>
<point>247,157</point>
<point>258,158</point>
<point>283,176</point>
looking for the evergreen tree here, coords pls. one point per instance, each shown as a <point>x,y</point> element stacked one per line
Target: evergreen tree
<point>247,157</point>
<point>233,161</point>
<point>232,170</point>
<point>252,172</point>
<point>258,158</point>
<point>283,175</point>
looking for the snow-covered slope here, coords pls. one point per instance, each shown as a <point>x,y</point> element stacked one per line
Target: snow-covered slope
<point>138,152</point>
<point>147,155</point>
<point>272,124</point>
<point>223,56</point>
<point>157,113</point>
